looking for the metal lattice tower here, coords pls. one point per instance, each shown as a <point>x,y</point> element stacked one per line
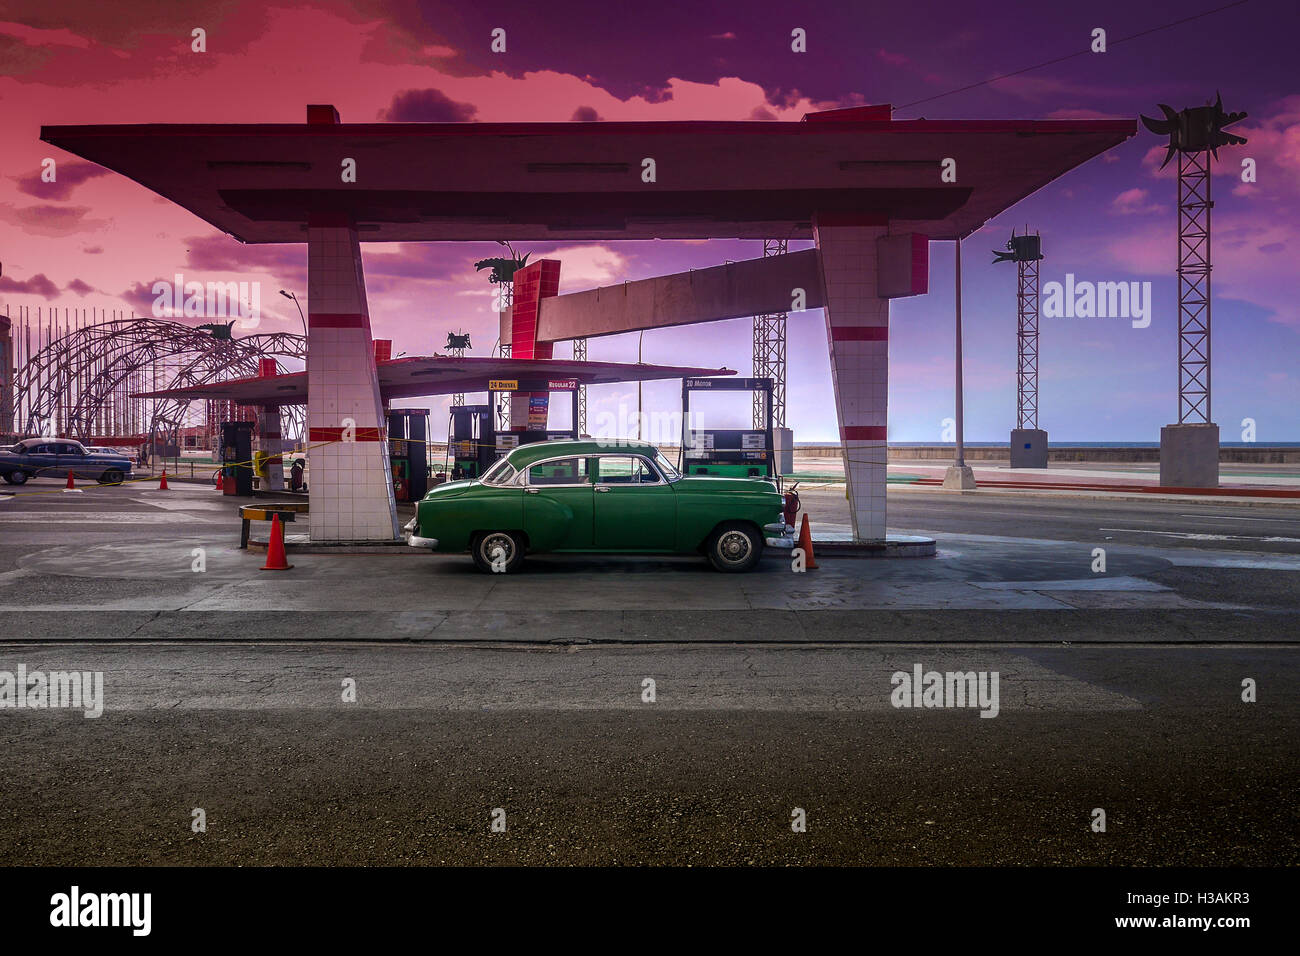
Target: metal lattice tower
<point>1026,251</point>
<point>769,351</point>
<point>457,344</point>
<point>580,355</point>
<point>1194,207</point>
<point>1195,134</point>
<point>503,400</point>
<point>1027,344</point>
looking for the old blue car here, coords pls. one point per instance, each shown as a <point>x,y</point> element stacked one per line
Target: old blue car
<point>55,457</point>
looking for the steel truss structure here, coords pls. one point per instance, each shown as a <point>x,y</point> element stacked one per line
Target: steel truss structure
<point>507,291</point>
<point>1027,343</point>
<point>458,399</point>
<point>81,384</point>
<point>580,355</point>
<point>1194,207</point>
<point>769,351</point>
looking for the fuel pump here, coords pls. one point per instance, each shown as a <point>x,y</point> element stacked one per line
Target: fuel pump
<point>471,440</point>
<point>236,458</point>
<point>408,452</point>
<point>731,452</point>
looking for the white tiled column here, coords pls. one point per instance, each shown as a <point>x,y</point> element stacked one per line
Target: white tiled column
<point>351,484</point>
<point>857,330</point>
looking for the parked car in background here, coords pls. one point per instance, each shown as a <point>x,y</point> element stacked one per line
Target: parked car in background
<point>55,457</point>
<point>599,497</point>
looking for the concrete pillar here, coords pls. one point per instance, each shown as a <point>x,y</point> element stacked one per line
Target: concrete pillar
<point>1028,448</point>
<point>857,329</point>
<point>1189,456</point>
<point>351,486</point>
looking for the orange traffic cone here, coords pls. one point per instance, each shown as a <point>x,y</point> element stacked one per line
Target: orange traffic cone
<point>70,486</point>
<point>805,543</point>
<point>162,485</point>
<point>275,559</point>
<point>221,475</point>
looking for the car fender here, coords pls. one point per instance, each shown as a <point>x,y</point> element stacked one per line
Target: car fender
<point>546,522</point>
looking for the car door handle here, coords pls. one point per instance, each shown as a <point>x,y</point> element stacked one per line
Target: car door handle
<point>533,491</point>
<point>602,488</point>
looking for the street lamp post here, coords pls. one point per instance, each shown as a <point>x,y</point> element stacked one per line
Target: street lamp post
<point>959,475</point>
<point>640,339</point>
<point>290,295</point>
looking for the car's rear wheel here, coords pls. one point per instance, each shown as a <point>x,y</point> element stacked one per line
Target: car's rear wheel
<point>734,547</point>
<point>110,477</point>
<point>16,477</point>
<point>498,552</point>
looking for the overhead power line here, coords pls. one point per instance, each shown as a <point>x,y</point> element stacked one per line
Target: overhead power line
<point>1071,56</point>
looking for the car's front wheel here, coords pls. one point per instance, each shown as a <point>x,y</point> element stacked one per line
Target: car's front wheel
<point>16,477</point>
<point>734,547</point>
<point>111,477</point>
<point>498,552</point>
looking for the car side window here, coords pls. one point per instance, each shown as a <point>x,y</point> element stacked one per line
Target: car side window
<point>624,470</point>
<point>39,450</point>
<point>66,450</point>
<point>560,471</point>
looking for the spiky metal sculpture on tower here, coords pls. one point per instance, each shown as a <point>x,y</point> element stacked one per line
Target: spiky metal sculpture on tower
<point>1195,135</point>
<point>503,275</point>
<point>1025,251</point>
<point>457,344</point>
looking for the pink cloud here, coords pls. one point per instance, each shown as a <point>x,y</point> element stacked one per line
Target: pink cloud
<point>49,220</point>
<point>426,106</point>
<point>1134,202</point>
<point>69,174</point>
<point>38,284</point>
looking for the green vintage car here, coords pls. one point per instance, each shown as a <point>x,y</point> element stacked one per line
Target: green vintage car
<point>599,497</point>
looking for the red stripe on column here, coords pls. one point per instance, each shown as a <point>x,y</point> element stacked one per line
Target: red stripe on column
<point>337,320</point>
<point>859,333</point>
<point>336,434</point>
<point>858,432</point>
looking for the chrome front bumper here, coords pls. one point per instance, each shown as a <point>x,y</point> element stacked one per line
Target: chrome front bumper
<point>779,535</point>
<point>415,541</point>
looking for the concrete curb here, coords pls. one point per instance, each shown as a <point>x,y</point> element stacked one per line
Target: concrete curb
<point>1105,496</point>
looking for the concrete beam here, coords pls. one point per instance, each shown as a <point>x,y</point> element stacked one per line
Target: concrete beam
<point>731,291</point>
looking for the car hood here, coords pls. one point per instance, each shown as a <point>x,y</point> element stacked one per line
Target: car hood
<point>450,489</point>
<point>718,484</point>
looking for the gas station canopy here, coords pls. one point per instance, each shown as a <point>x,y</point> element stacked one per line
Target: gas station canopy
<point>547,181</point>
<point>439,375</point>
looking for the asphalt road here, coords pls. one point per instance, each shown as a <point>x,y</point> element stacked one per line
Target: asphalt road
<point>586,772</point>
<point>223,691</point>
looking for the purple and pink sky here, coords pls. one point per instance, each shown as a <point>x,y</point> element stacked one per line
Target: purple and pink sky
<point>94,239</point>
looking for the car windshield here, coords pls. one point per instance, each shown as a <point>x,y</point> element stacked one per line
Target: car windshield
<point>499,474</point>
<point>671,473</point>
